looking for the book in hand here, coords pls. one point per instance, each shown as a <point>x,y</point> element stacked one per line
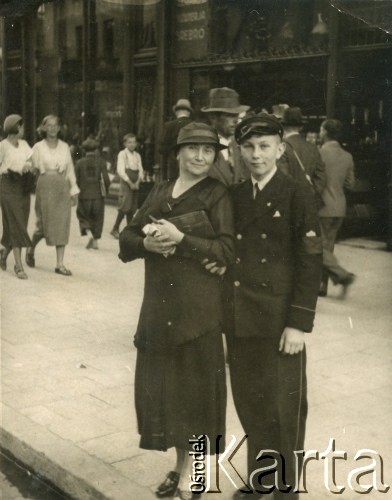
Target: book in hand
<point>194,224</point>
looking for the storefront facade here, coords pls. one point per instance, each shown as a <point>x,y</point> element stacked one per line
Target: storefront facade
<point>111,66</point>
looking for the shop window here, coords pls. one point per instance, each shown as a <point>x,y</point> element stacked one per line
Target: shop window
<point>14,34</point>
<point>149,26</point>
<point>108,39</point>
<point>79,42</point>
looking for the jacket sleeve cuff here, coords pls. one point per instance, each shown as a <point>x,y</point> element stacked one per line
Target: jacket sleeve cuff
<point>195,244</point>
<point>131,248</point>
<point>301,318</point>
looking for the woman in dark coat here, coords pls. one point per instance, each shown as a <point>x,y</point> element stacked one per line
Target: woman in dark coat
<point>180,388</point>
<point>15,166</point>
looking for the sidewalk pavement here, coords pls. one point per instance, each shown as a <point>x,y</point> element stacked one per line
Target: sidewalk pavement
<point>68,367</point>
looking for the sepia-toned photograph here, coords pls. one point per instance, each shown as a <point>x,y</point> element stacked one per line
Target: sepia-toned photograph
<point>195,254</point>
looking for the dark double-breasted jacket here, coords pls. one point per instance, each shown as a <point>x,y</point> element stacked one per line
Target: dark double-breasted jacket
<point>182,300</point>
<point>275,280</point>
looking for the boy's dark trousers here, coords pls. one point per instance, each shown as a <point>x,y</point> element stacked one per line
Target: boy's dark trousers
<point>270,396</point>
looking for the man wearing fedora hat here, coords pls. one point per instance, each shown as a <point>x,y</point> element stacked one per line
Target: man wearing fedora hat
<point>223,110</point>
<point>183,111</point>
<point>301,159</point>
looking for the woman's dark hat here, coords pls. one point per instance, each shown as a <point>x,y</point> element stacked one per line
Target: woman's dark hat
<point>198,133</point>
<point>182,104</point>
<point>90,144</point>
<point>10,122</point>
<point>224,100</point>
<point>262,124</point>
<point>292,117</point>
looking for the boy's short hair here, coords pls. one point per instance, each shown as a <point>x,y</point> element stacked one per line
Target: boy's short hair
<point>334,128</point>
<point>129,136</point>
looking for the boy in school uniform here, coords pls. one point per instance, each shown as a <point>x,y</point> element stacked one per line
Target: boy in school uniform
<point>272,291</point>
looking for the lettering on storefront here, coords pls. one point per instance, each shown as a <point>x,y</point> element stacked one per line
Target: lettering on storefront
<point>191,29</point>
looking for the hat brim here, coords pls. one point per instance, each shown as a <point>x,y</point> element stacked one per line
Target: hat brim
<point>229,111</point>
<point>201,140</point>
<point>187,108</point>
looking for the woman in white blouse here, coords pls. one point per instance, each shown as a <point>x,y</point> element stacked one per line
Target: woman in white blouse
<point>15,162</point>
<point>55,194</point>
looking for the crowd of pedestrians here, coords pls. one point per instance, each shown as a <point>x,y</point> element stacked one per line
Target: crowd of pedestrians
<point>237,238</point>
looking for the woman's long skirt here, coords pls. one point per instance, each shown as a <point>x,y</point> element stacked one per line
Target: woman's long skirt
<point>53,208</point>
<point>181,393</point>
<point>15,209</point>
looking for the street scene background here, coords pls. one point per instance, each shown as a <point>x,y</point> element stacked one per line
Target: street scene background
<point>68,371</point>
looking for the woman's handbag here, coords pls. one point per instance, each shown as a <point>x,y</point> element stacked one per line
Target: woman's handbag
<point>29,180</point>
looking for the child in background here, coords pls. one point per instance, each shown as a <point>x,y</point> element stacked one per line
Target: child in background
<point>131,173</point>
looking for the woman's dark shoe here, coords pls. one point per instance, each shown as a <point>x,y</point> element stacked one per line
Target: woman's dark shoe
<point>3,259</point>
<point>20,273</point>
<point>30,260</point>
<point>63,270</point>
<point>169,486</point>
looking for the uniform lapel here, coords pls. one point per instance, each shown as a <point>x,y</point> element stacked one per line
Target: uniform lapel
<point>267,200</point>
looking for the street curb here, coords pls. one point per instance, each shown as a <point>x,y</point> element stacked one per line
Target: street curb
<point>363,244</point>
<point>61,463</point>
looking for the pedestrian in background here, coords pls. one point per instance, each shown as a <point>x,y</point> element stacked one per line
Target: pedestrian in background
<point>131,173</point>
<point>183,111</point>
<point>15,165</point>
<point>301,159</point>
<point>180,384</point>
<point>93,181</point>
<point>223,110</point>
<point>56,192</point>
<point>339,166</point>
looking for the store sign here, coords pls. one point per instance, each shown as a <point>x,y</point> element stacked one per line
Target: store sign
<point>191,29</point>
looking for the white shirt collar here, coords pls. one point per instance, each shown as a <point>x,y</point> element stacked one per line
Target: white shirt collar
<point>225,142</point>
<point>261,184</point>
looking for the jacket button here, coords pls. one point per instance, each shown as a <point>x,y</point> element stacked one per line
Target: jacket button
<point>239,236</point>
<point>264,284</point>
<point>169,323</point>
<point>237,283</point>
<point>237,260</point>
<point>263,236</point>
<point>263,261</point>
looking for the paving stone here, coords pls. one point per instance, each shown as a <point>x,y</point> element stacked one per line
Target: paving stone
<point>89,429</point>
<point>114,447</point>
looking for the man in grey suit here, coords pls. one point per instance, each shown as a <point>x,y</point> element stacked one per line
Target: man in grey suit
<point>339,167</point>
<point>301,159</point>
